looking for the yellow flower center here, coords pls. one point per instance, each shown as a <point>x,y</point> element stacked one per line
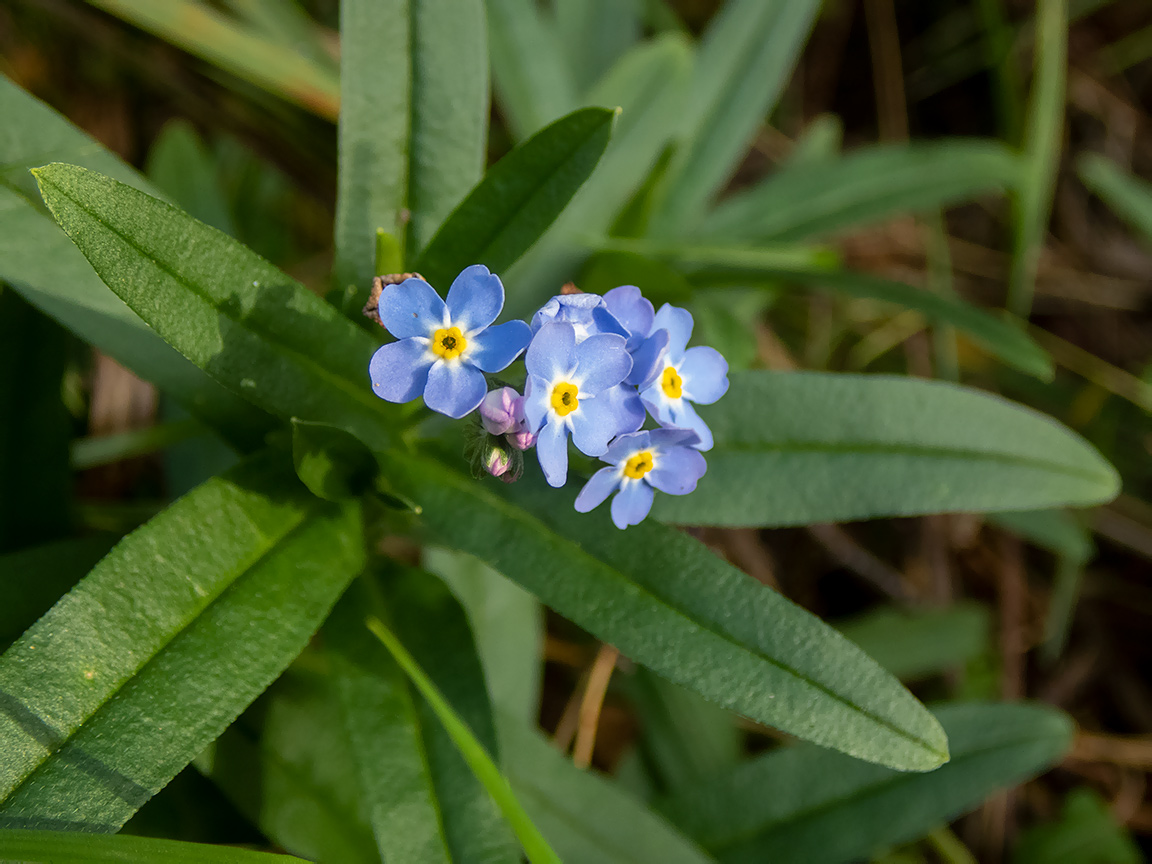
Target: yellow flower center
<point>564,400</point>
<point>671,383</point>
<point>638,464</point>
<point>449,343</point>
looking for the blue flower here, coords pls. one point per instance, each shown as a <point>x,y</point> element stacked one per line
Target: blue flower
<point>686,375</point>
<point>640,462</point>
<point>444,349</point>
<point>567,392</point>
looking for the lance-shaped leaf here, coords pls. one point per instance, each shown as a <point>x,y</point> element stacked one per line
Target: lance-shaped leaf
<point>72,847</point>
<point>519,197</point>
<point>159,648</point>
<point>744,62</point>
<point>533,84</point>
<point>798,448</point>
<point>413,123</point>
<point>667,602</point>
<point>257,331</point>
<point>806,804</point>
<point>423,802</point>
<point>869,185</point>
<point>39,262</point>
<point>587,818</point>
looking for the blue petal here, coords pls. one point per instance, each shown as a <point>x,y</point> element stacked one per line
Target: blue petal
<point>658,406</point>
<point>475,298</point>
<point>625,401</point>
<point>684,416</point>
<point>632,310</point>
<point>632,504</point>
<point>535,402</point>
<point>494,348</point>
<point>601,362</point>
<point>551,353</point>
<point>455,389</point>
<point>705,375</point>
<point>552,451</point>
<point>670,436</point>
<point>399,370</point>
<point>412,308</point>
<point>677,470</point>
<point>648,360</point>
<point>602,484</point>
<point>604,321</point>
<point>625,445</point>
<point>678,323</point>
<point>596,422</point>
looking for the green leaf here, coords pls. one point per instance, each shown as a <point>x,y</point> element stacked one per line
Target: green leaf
<point>287,765</point>
<point>509,627</point>
<point>917,643</point>
<point>229,311</point>
<point>50,273</point>
<point>70,847</point>
<point>594,33</point>
<point>798,448</point>
<point>532,83</point>
<point>36,578</point>
<point>35,477</point>
<point>330,462</point>
<point>818,198</point>
<point>423,801</point>
<point>1128,195</point>
<point>536,848</point>
<point>519,197</point>
<point>806,804</point>
<point>1043,140</point>
<point>182,167</point>
<point>668,603</point>
<point>201,30</point>
<point>999,336</point>
<point>1057,531</point>
<point>745,59</point>
<point>586,817</point>
<point>413,123</point>
<point>1086,831</point>
<point>159,648</point>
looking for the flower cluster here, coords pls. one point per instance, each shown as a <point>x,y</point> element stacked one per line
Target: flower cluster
<point>597,367</point>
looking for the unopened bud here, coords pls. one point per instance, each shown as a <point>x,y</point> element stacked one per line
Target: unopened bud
<point>498,411</point>
<point>505,464</point>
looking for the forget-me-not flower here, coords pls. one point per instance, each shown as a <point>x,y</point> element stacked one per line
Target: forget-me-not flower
<point>444,348</point>
<point>686,375</point>
<point>639,463</point>
<point>566,393</point>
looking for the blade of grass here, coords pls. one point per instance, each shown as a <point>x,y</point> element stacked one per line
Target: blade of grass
<point>535,846</point>
<point>1043,137</point>
<point>224,42</point>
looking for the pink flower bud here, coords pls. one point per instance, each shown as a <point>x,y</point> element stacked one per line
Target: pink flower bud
<point>522,440</point>
<point>498,411</point>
